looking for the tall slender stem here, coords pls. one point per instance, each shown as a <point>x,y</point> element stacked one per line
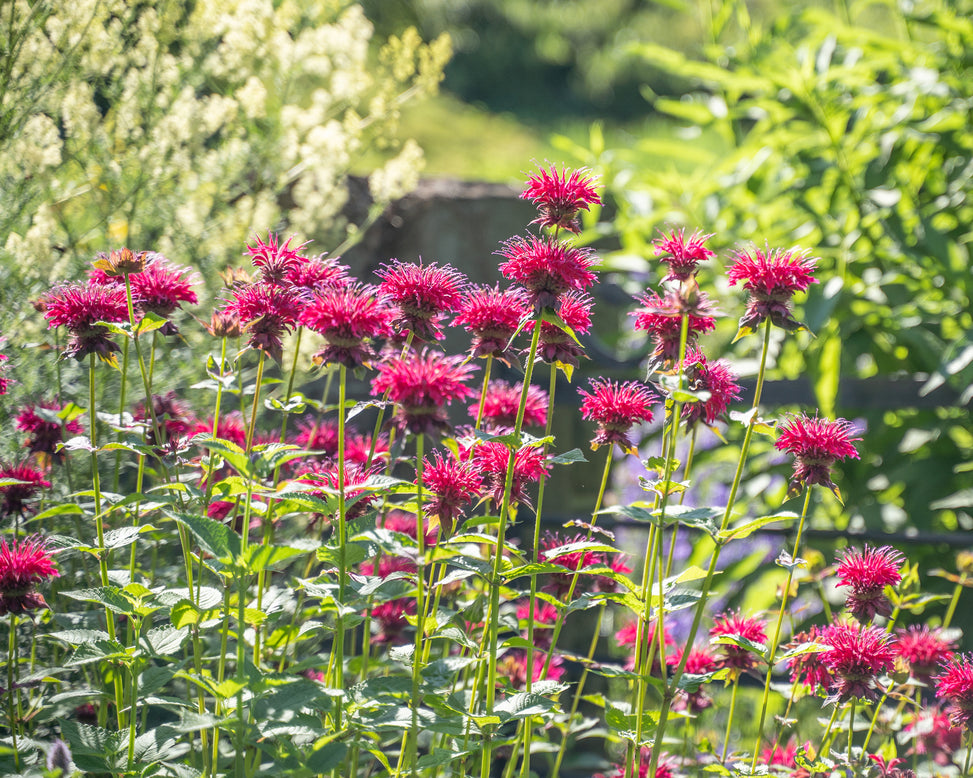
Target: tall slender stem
<point>339,638</point>
<point>12,672</point>
<point>954,600</point>
<point>420,608</point>
<point>673,684</point>
<point>775,641</point>
<point>483,390</point>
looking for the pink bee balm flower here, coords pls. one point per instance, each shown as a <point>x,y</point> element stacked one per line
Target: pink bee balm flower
<point>318,435</point>
<point>682,255</point>
<point>616,407</point>
<point>772,278</point>
<point>502,401</point>
<point>267,313</point>
<point>78,308</point>
<point>454,484</point>
<point>661,317</point>
<point>359,498</point>
<point>421,385</point>
<point>555,346</point>
<point>492,318</point>
<point>856,657</point>
<point>319,273</point>
<point>161,288</point>
<point>559,196</point>
<point>629,636</point>
<point>666,767</point>
<point>513,667</point>
<point>559,584</point>
<point>392,620</point>
<point>816,445</point>
<point>529,465</point>
<point>924,649</point>
<point>809,670</point>
<point>935,735</point>
<point>545,617</point>
<point>954,685</point>
<point>733,624</point>
<point>547,269</point>
<point>23,564</point>
<point>276,261</point>
<point>44,435</point>
<point>421,295</point>
<point>868,572</point>
<point>699,662</point>
<point>15,496</point>
<point>718,379</point>
<point>350,319</point>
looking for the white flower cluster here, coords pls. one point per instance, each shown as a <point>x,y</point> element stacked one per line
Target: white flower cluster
<point>193,127</point>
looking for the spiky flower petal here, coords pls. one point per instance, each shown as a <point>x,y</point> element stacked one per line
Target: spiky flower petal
<point>772,278</point>
<point>23,564</point>
<point>682,255</point>
<point>616,408</point>
<point>78,308</point>
<point>547,268</point>
<point>421,295</point>
<point>349,318</point>
<point>856,656</point>
<point>559,196</point>
<point>816,445</point>
<point>868,572</point>
<point>492,316</point>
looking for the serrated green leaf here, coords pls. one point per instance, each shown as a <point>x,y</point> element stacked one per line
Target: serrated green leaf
<point>110,596</point>
<point>213,537</point>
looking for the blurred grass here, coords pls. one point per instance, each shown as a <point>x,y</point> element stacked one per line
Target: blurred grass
<point>468,142</point>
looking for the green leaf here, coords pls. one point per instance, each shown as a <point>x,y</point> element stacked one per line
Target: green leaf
<point>748,528</point>
<point>569,457</point>
<point>150,322</point>
<point>163,641</point>
<point>110,596</point>
<point>213,537</point>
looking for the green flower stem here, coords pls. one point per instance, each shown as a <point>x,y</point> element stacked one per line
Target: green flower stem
<point>562,612</point>
<point>851,730</point>
<point>490,637</point>
<point>487,369</point>
<point>420,609</point>
<point>672,687</point>
<point>562,749</point>
<point>338,647</point>
<point>775,641</point>
<point>100,529</point>
<point>380,419</point>
<point>121,411</point>
<point>221,673</point>
<point>954,600</point>
<point>878,709</point>
<point>11,685</point>
<point>241,675</point>
<point>682,496</point>
<point>132,715</point>
<point>826,737</point>
<point>969,753</point>
<point>535,558</point>
<point>729,718</point>
<point>216,425</point>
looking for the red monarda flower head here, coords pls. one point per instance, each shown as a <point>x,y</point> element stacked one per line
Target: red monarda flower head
<point>816,445</point>
<point>559,584</point>
<point>23,564</point>
<point>319,273</point>
<point>349,318</point>
<point>809,670</point>
<point>682,255</point>
<point>559,196</point>
<point>935,735</point>
<point>699,662</point>
<point>492,317</point>
<point>502,401</point>
<point>954,685</point>
<point>421,385</point>
<point>15,496</point>
<point>513,667</point>
<point>924,649</point>
<point>44,432</point>
<point>276,261</point>
<point>547,268</point>
<point>772,278</point>
<point>616,407</point>
<point>666,767</point>
<point>267,313</point>
<point>454,484</point>
<point>629,636</point>
<point>856,657</point>
<point>4,381</point>
<point>391,618</point>
<point>421,295</point>
<point>735,625</point>
<point>359,498</point>
<point>77,307</point>
<point>661,317</point>
<point>173,414</point>
<point>868,572</point>
<point>318,435</point>
<point>161,288</point>
<point>529,465</point>
<point>556,346</point>
<point>718,379</point>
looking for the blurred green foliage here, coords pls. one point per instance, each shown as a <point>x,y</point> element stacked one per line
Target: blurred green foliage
<point>846,132</point>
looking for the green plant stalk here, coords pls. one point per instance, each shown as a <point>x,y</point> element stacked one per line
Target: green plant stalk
<point>420,610</point>
<point>216,425</point>
<point>491,636</point>
<point>242,578</point>
<point>338,647</point>
<point>562,748</point>
<point>954,600</point>
<point>878,709</point>
<point>535,558</point>
<point>656,641</point>
<point>851,730</point>
<point>380,419</point>
<point>100,529</point>
<point>12,704</point>
<point>969,753</point>
<point>826,737</point>
<point>729,718</point>
<point>673,684</point>
<point>562,613</point>
<point>132,717</point>
<point>121,411</point>
<point>775,641</point>
<point>682,496</point>
<point>221,673</point>
<point>487,369</point>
